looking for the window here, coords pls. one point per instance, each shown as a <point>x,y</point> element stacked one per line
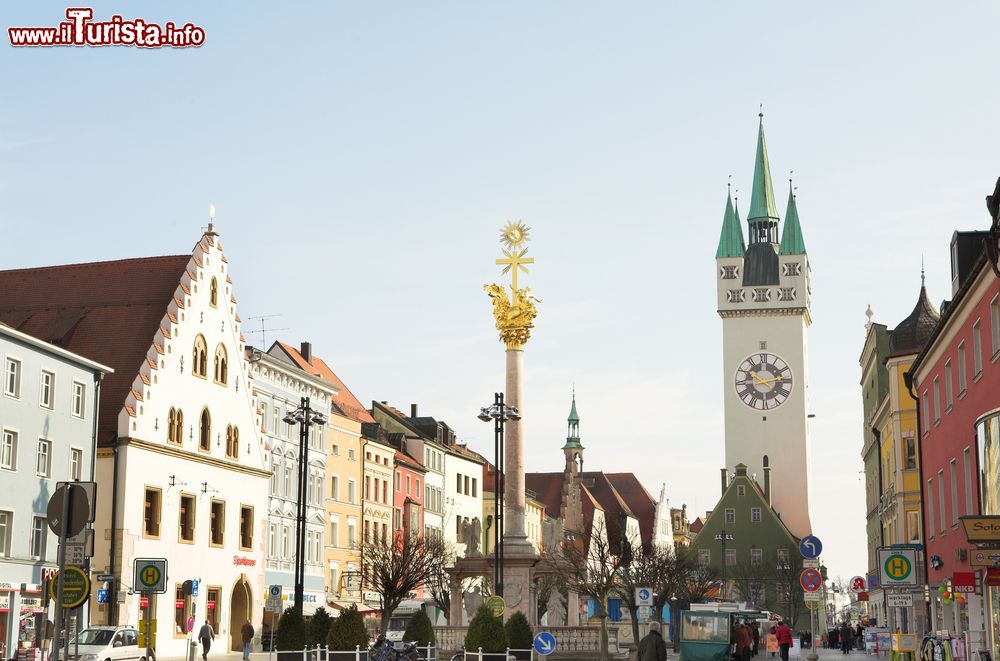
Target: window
<point>786,293</point>
<point>741,490</point>
<point>334,486</point>
<point>212,609</point>
<point>756,557</point>
<point>182,609</point>
<point>782,556</point>
<point>46,395</point>
<point>728,273</point>
<point>151,513</point>
<point>385,491</point>
<point>6,525</point>
<point>186,518</point>
<point>175,426</point>
<point>937,400</point>
<point>79,398</point>
<point>397,518</point>
<point>277,420</point>
<point>968,481</point>
<point>217,524</point>
<point>458,483</point>
<point>704,557</point>
<point>8,450</point>
<point>272,540</point>
<point>466,481</point>
<point>397,487</point>
<point>246,527</point>
<point>730,515</point>
<point>755,514</point>
<point>76,464</point>
<point>352,532</point>
<point>39,535</point>
<point>949,394</point>
<point>205,431</point>
<point>474,487</point>
<point>263,417</point>
<point>334,530</point>
<point>232,442</point>
<point>927,412</point>
<point>995,325</point>
<point>930,505</point>
<point>288,487</point>
<point>730,557</point>
<point>911,452</point>
<point>43,460</point>
<point>221,365</point>
<point>416,489</point>
<point>351,456</point>
<point>199,364</point>
<point>977,349</point>
<point>284,542</point>
<point>962,384</point>
<point>953,476</point>
<point>407,485</point>
<point>12,378</point>
<point>213,293</point>
<point>941,512</point>
<point>352,488</point>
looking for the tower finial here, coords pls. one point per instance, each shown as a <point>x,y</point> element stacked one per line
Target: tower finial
<point>761,113</point>
<point>922,274</point>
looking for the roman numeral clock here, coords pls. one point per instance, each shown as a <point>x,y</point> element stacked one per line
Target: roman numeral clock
<point>763,381</point>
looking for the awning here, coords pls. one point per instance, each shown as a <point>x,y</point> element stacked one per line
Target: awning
<point>344,605</point>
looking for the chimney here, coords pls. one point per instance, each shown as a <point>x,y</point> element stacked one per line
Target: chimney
<point>725,480</point>
<point>767,485</point>
<point>413,410</point>
<point>306,349</point>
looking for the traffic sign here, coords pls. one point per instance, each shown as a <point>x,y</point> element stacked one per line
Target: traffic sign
<point>810,563</point>
<point>76,554</point>
<point>150,575</point>
<point>273,605</point>
<point>194,587</point>
<point>274,591</point>
<point>76,587</point>
<point>190,623</point>
<point>858,584</point>
<point>897,566</point>
<point>497,605</point>
<point>544,643</point>
<point>643,596</point>
<point>811,580</point>
<point>104,578</point>
<point>810,546</point>
<point>813,605</point>
<point>812,597</point>
<point>899,599</point>
<point>80,509</point>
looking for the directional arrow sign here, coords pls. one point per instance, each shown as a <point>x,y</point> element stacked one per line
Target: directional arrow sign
<point>810,546</point>
<point>544,643</point>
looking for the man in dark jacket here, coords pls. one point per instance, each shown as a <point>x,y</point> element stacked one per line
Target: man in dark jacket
<point>652,647</point>
<point>206,635</point>
<point>247,633</point>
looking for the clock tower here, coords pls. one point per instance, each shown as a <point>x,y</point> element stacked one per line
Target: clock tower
<point>763,298</point>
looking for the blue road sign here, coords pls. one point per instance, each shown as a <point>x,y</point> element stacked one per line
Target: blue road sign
<point>102,596</point>
<point>194,587</point>
<point>810,546</point>
<point>545,643</point>
<point>873,582</point>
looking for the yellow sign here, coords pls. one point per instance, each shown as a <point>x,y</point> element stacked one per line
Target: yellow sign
<point>897,567</point>
<point>813,605</point>
<point>981,529</point>
<point>904,642</point>
<point>142,640</point>
<point>145,623</point>
<point>497,605</point>
<point>76,587</point>
<point>984,557</point>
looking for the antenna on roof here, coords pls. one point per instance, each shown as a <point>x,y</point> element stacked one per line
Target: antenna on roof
<point>263,328</point>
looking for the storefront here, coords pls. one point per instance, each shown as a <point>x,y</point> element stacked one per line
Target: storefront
<point>988,442</point>
<point>22,617</point>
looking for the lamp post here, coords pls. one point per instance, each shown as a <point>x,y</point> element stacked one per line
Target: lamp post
<point>499,413</point>
<point>723,537</point>
<point>305,417</point>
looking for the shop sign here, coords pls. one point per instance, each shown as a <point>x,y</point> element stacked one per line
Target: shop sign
<point>371,598</point>
<point>243,561</point>
<point>964,582</point>
<point>30,604</point>
<point>9,587</point>
<point>993,577</point>
<point>981,529</point>
<point>987,557</point>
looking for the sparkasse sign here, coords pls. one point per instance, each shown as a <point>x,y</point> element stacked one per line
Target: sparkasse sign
<point>981,529</point>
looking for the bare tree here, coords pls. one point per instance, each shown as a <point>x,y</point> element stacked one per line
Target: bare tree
<point>750,580</point>
<point>646,567</point>
<point>394,568</point>
<point>438,583</point>
<point>788,589</point>
<point>698,582</point>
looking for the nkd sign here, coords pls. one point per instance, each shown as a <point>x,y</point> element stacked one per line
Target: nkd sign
<point>897,566</point>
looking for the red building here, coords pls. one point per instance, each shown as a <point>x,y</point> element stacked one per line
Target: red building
<point>408,496</point>
<point>956,382</point>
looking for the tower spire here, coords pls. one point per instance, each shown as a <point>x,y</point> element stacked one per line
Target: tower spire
<point>762,207</point>
<point>573,425</point>
<point>731,240</point>
<point>792,242</point>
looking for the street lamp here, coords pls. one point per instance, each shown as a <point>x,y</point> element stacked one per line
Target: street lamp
<point>499,413</point>
<point>305,416</point>
<point>723,537</point>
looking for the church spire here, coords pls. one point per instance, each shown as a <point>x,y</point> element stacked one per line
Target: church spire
<point>731,240</point>
<point>763,216</point>
<point>791,233</point>
<point>573,426</point>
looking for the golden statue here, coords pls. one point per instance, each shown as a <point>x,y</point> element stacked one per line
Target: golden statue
<point>514,317</point>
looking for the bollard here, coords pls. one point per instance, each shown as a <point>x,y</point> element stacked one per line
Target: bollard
<point>357,653</point>
<point>480,654</point>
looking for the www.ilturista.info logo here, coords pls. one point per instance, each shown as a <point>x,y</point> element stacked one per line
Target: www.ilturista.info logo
<point>80,30</point>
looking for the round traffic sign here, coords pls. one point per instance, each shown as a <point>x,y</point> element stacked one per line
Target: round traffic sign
<point>858,584</point>
<point>497,605</point>
<point>810,546</point>
<point>897,567</point>
<point>76,587</point>
<point>79,506</point>
<point>544,643</point>
<point>149,576</point>
<point>190,623</point>
<point>811,580</point>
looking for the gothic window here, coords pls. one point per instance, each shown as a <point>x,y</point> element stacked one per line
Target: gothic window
<point>200,366</point>
<point>232,442</point>
<point>735,296</point>
<point>729,272</point>
<point>761,294</point>
<point>213,293</point>
<point>175,426</point>
<point>205,431</point>
<point>786,294</point>
<point>221,365</point>
<point>791,268</point>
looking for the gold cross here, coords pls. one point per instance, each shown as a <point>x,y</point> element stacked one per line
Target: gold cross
<point>515,262</point>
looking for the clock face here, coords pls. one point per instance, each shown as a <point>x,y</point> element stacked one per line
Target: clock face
<point>763,381</point>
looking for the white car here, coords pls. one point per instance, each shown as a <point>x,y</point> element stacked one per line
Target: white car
<point>107,644</point>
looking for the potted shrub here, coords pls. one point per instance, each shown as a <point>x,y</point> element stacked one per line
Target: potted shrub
<point>419,630</point>
<point>486,631</point>
<point>519,635</point>
<point>290,636</point>
<point>347,631</point>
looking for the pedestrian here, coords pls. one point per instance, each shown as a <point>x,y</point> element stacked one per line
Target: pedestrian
<point>746,642</point>
<point>784,639</point>
<point>652,647</point>
<point>206,635</point>
<point>772,637</point>
<point>755,631</point>
<point>247,632</point>
<point>845,638</point>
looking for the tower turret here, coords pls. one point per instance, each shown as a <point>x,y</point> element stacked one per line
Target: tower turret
<point>791,233</point>
<point>761,266</point>
<point>573,448</point>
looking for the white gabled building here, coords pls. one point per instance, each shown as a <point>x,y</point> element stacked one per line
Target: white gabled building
<point>181,468</point>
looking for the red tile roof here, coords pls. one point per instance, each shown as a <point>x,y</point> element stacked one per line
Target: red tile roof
<point>109,312</point>
<point>408,461</point>
<point>548,486</point>
<point>345,400</point>
<point>697,524</point>
<point>639,501</point>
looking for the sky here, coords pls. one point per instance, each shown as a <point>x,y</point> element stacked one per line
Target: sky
<point>363,156</point>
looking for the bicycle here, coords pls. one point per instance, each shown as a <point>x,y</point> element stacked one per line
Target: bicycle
<point>382,650</point>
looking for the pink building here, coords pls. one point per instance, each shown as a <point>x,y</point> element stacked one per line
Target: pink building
<point>408,496</point>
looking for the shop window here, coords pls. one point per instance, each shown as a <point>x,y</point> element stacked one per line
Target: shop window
<point>186,518</point>
<point>217,522</point>
<point>212,609</point>
<point>151,513</point>
<point>182,609</point>
<point>246,527</point>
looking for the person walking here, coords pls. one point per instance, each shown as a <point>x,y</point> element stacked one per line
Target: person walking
<point>784,639</point>
<point>845,638</point>
<point>755,631</point>
<point>247,632</point>
<point>652,647</point>
<point>206,635</point>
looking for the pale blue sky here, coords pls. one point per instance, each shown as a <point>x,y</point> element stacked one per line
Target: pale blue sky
<point>362,157</point>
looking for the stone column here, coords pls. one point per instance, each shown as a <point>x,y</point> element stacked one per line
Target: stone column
<point>572,609</point>
<point>455,603</point>
<point>515,538</point>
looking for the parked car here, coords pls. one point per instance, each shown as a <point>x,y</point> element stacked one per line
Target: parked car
<point>120,643</point>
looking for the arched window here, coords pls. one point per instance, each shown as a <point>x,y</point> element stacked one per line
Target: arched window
<point>232,442</point>
<point>221,365</point>
<point>205,431</point>
<point>200,366</point>
<point>171,424</point>
<point>175,426</point>
<point>213,293</point>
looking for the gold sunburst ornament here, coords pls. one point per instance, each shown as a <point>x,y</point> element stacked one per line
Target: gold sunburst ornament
<point>514,234</point>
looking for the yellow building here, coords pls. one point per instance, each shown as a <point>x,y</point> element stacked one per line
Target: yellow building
<point>534,515</point>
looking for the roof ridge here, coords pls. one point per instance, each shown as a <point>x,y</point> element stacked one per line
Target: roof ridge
<point>95,263</point>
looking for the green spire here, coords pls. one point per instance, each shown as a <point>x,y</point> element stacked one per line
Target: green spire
<point>573,426</point>
<point>573,415</point>
<point>731,240</point>
<point>791,234</point>
<point>762,195</point>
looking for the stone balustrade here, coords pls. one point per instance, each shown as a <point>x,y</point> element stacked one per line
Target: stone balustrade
<point>571,642</point>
